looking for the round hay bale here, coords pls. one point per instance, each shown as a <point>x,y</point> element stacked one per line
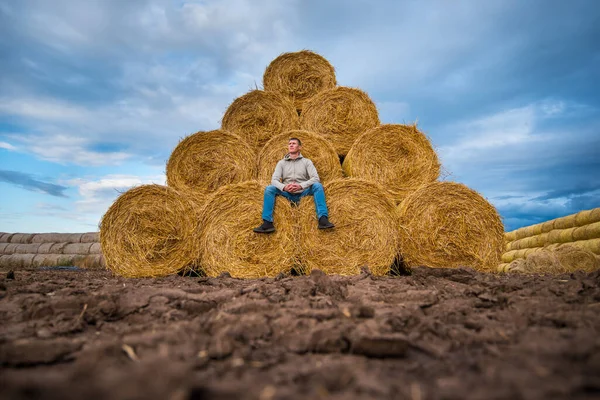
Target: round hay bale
<point>299,76</point>
<point>203,162</point>
<point>57,238</point>
<point>149,231</point>
<point>541,262</point>
<point>510,236</point>
<point>448,225</point>
<point>565,222</point>
<point>515,266</point>
<point>592,245</point>
<point>96,248</point>
<point>592,231</point>
<point>524,232</point>
<point>365,233</point>
<point>92,261</point>
<point>566,235</point>
<point>554,236</point>
<point>340,115</point>
<point>29,248</point>
<point>57,248</point>
<point>77,248</point>
<point>398,157</point>
<point>595,215</point>
<point>573,258</point>
<point>3,246</point>
<point>579,233</point>
<point>45,248</point>
<point>18,260</point>
<point>314,147</point>
<point>537,229</point>
<point>547,226</point>
<point>509,256</point>
<point>5,237</point>
<point>228,242</point>
<point>257,116</point>
<point>21,238</point>
<point>90,237</point>
<point>54,260</point>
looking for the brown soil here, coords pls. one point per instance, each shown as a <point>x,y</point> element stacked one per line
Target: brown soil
<point>438,334</point>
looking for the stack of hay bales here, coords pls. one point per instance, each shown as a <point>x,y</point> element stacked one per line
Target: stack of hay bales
<point>26,250</point>
<point>560,245</point>
<point>380,182</point>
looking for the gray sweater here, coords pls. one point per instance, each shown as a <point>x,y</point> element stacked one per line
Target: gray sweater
<point>299,170</point>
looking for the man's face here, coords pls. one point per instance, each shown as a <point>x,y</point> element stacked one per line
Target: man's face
<point>293,146</point>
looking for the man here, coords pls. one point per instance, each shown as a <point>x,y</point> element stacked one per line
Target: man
<point>294,178</point>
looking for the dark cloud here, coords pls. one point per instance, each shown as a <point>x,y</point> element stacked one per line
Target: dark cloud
<point>27,182</point>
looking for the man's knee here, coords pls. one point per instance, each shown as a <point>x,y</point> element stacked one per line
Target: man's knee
<point>271,189</point>
<point>317,186</point>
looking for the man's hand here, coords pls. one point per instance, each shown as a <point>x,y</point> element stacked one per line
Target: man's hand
<point>293,188</point>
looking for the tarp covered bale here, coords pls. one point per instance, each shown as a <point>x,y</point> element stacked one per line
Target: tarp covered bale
<point>149,231</point>
<point>57,238</point>
<point>258,116</point>
<point>229,243</point>
<point>299,76</point>
<point>340,115</point>
<point>365,233</point>
<point>203,162</point>
<point>447,225</point>
<point>398,157</point>
<point>314,147</point>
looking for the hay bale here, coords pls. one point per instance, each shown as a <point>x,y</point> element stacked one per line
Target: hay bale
<point>299,76</point>
<point>11,248</point>
<point>340,115</point>
<point>592,245</point>
<point>96,248</point>
<point>3,246</point>
<point>592,231</point>
<point>228,242</point>
<point>565,222</point>
<point>509,256</point>
<point>93,261</point>
<point>515,266</point>
<point>510,236</point>
<point>57,248</point>
<point>17,260</point>
<point>258,116</point>
<point>203,162</point>
<point>365,233</point>
<point>21,238</point>
<point>398,157</point>
<point>574,258</point>
<point>542,262</point>
<point>524,232</point>
<point>54,260</point>
<point>45,248</point>
<point>547,226</point>
<point>447,225</point>
<point>314,147</point>
<point>77,248</point>
<point>56,238</point>
<point>29,248</point>
<point>90,237</point>
<point>149,231</point>
<point>5,237</point>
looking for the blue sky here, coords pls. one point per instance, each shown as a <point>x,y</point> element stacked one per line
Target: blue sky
<point>95,94</point>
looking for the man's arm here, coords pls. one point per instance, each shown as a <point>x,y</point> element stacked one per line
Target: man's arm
<point>276,178</point>
<point>312,173</point>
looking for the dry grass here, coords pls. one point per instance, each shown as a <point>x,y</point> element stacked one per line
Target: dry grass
<point>447,225</point>
<point>573,258</point>
<point>228,242</point>
<point>314,147</point>
<point>257,116</point>
<point>148,231</point>
<point>299,76</point>
<point>203,162</point>
<point>340,115</point>
<point>365,233</point>
<point>399,157</point>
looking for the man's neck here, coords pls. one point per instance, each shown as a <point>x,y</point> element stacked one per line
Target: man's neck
<point>293,156</point>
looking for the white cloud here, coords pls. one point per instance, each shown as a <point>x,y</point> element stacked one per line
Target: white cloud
<point>7,146</point>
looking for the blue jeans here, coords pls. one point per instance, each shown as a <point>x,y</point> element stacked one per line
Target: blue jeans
<point>315,190</point>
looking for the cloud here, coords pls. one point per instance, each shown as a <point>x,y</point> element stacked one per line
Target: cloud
<point>7,146</point>
<point>28,182</point>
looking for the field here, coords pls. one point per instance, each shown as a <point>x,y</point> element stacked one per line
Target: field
<point>437,334</point>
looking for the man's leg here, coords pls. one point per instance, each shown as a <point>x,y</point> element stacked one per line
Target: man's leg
<point>268,206</point>
<point>316,190</point>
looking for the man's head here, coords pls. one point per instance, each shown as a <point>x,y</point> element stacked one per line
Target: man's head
<point>294,146</point>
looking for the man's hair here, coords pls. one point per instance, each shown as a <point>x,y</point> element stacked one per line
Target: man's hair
<point>297,140</point>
